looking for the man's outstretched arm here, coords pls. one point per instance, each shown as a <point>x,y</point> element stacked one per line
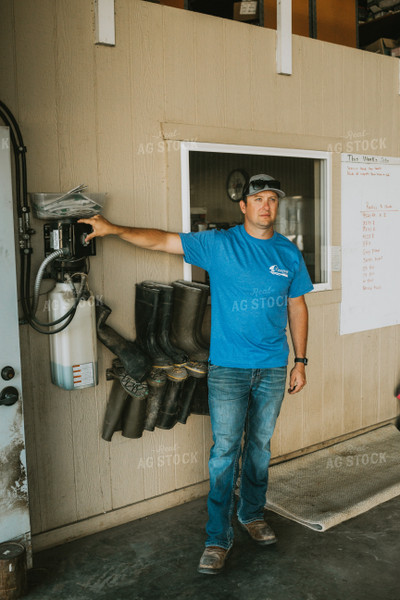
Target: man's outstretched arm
<point>151,239</point>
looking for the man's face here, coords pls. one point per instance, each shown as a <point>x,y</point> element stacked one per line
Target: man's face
<point>261,209</point>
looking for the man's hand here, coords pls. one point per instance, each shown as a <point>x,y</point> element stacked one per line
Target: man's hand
<point>297,378</point>
<point>150,239</point>
<point>101,227</point>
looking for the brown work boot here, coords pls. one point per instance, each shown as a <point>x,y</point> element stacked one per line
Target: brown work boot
<point>260,532</point>
<point>212,560</point>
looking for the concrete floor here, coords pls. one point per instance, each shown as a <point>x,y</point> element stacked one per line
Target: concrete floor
<point>156,557</point>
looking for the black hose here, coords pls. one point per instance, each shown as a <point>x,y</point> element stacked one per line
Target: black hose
<point>19,150</point>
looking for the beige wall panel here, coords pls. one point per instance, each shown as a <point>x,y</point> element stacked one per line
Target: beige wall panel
<point>160,453</point>
<point>389,108</point>
<point>333,90</point>
<point>371,372</point>
<point>149,167</point>
<point>237,78</point>
<point>8,70</point>
<point>313,392</point>
<point>333,373</point>
<point>189,467</point>
<point>179,64</point>
<point>210,71</point>
<point>352,377</point>
<point>37,89</point>
<point>54,441</point>
<point>287,105</point>
<point>291,426</point>
<point>372,102</point>
<point>263,80</point>
<point>127,473</point>
<point>228,135</point>
<point>354,92</point>
<point>88,454</point>
<point>158,476</point>
<point>75,93</point>
<point>100,396</point>
<point>310,93</point>
<point>388,380</point>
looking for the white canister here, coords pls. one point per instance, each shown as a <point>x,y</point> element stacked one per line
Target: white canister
<point>73,351</point>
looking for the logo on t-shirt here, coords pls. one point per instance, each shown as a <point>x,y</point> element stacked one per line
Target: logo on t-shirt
<point>275,270</point>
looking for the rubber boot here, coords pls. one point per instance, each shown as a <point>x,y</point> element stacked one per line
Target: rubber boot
<point>164,315</point>
<point>185,400</point>
<point>168,414</point>
<point>146,305</point>
<point>205,290</point>
<point>156,381</point>
<point>135,362</point>
<point>134,415</point>
<point>115,407</point>
<point>187,301</point>
<point>195,372</point>
<point>199,404</point>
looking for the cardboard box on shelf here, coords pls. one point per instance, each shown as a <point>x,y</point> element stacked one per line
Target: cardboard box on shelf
<point>382,46</point>
<point>245,11</point>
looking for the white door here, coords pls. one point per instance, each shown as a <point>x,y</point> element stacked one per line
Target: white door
<point>14,508</point>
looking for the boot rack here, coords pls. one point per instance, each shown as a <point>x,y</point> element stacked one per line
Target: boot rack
<point>160,378</point>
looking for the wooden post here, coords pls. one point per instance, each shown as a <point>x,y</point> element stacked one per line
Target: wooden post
<point>13,582</point>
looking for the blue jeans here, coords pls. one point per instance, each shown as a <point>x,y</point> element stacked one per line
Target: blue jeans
<point>240,400</point>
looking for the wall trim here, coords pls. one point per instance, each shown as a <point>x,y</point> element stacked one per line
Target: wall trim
<point>246,137</point>
<point>331,442</point>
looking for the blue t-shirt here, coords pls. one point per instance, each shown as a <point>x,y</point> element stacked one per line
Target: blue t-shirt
<point>250,280</point>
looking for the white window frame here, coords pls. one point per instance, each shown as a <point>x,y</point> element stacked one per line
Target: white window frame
<point>326,196</point>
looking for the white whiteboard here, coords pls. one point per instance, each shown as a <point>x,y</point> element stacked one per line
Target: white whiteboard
<point>370,242</point>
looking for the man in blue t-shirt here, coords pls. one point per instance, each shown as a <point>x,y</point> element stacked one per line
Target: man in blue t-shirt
<point>258,280</point>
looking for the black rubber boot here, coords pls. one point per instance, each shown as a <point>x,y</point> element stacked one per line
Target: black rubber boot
<point>185,399</point>
<point>135,362</point>
<point>205,290</point>
<point>168,414</point>
<point>134,414</point>
<point>164,315</point>
<point>146,305</point>
<point>156,381</point>
<point>195,371</point>
<point>187,303</point>
<point>115,407</point>
<point>199,404</point>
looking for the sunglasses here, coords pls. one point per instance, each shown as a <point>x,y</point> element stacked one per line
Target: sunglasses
<point>258,184</point>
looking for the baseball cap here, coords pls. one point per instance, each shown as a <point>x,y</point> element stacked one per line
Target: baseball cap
<point>263,183</point>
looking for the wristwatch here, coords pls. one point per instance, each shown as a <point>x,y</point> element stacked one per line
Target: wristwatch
<point>301,360</point>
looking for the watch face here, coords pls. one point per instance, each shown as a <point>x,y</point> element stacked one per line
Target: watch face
<point>235,184</point>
